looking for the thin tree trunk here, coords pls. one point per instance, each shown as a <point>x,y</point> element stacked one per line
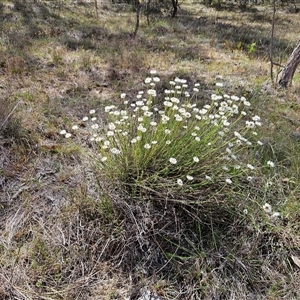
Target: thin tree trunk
<point>148,11</point>
<point>96,8</point>
<point>272,42</point>
<point>137,24</point>
<point>290,67</point>
<point>175,6</point>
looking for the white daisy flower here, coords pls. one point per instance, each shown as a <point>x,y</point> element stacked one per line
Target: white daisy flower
<point>115,151</point>
<point>196,159</point>
<point>267,208</point>
<point>173,161</point>
<point>250,167</point>
<point>179,182</point>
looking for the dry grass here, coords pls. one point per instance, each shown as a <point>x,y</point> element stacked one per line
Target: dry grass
<point>67,233</point>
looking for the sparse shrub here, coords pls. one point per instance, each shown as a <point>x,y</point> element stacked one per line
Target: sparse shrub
<point>183,172</point>
<point>168,144</point>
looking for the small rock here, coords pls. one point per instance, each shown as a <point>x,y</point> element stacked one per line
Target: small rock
<point>295,136</point>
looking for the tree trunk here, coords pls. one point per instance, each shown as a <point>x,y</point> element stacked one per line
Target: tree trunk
<point>272,42</point>
<point>175,6</point>
<point>137,23</point>
<point>148,11</point>
<point>290,67</point>
<point>96,8</point>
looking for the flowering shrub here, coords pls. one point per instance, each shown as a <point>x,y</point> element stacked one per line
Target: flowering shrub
<point>172,143</point>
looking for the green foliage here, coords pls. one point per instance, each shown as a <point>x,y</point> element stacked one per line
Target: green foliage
<point>240,45</point>
<point>251,48</point>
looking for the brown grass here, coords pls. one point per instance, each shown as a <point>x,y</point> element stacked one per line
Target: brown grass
<point>68,233</point>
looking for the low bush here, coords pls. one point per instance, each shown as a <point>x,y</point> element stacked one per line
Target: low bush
<point>169,145</point>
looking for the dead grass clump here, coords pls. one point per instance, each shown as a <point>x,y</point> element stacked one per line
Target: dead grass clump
<point>18,40</point>
<point>15,65</point>
<point>62,255</point>
<point>166,239</point>
<point>9,125</point>
<point>57,55</point>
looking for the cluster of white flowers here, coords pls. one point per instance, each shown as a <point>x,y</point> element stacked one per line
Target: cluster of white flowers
<point>65,133</point>
<point>145,124</point>
<point>269,211</point>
